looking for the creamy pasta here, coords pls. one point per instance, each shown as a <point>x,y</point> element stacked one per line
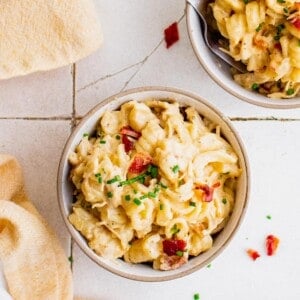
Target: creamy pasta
<point>153,184</point>
<point>264,35</point>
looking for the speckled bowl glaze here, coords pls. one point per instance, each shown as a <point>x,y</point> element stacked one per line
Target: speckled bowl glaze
<point>65,188</point>
<point>219,71</point>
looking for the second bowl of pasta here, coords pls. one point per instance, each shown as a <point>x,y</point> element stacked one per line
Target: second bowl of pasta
<point>153,183</point>
<point>264,35</point>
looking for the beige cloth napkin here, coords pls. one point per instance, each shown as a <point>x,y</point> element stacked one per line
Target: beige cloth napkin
<point>34,264</point>
<point>38,35</point>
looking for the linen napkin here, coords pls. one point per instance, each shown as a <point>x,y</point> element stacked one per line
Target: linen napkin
<point>40,35</point>
<point>34,264</point>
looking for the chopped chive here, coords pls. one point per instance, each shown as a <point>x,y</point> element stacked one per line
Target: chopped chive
<point>152,171</point>
<point>175,229</point>
<point>285,10</point>
<point>259,27</point>
<point>135,191</point>
<point>70,259</point>
<point>192,203</point>
<point>268,217</point>
<point>175,169</point>
<point>197,296</point>
<point>156,189</point>
<point>113,180</point>
<point>181,182</point>
<point>143,197</point>
<point>152,195</point>
<point>208,266</point>
<point>109,194</point>
<point>99,177</point>
<point>85,134</point>
<point>255,86</point>
<point>290,92</point>
<point>137,201</point>
<point>133,180</point>
<point>179,253</point>
<point>127,197</point>
<point>281,1</point>
<point>224,200</point>
<point>102,142</point>
<point>161,206</point>
<point>246,1</point>
<point>117,137</point>
<point>163,186</point>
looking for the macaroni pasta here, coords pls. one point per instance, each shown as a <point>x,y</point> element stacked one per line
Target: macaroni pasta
<point>153,184</point>
<point>264,35</point>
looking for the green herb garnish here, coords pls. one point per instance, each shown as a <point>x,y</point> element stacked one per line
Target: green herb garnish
<point>246,1</point>
<point>127,197</point>
<point>285,10</point>
<point>163,186</point>
<point>139,178</point>
<point>137,201</point>
<point>197,296</point>
<point>175,169</point>
<point>143,197</point>
<point>113,180</point>
<point>208,266</point>
<point>99,177</point>
<point>175,229</point>
<point>180,182</point>
<point>109,194</point>
<point>192,203</point>
<point>161,206</point>
<point>85,135</point>
<point>259,27</point>
<point>102,142</point>
<point>268,217</point>
<point>152,195</point>
<point>179,253</point>
<point>281,1</point>
<point>224,200</point>
<point>117,137</point>
<point>290,92</point>
<point>255,86</point>
<point>152,171</point>
<point>70,259</point>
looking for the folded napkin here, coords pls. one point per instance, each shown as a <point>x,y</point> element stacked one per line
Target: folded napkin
<point>34,264</point>
<point>40,35</point>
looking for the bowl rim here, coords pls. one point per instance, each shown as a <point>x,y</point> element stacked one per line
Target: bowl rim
<point>274,104</point>
<point>72,231</point>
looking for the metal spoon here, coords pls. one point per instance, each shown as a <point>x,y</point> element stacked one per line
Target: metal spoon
<point>209,37</point>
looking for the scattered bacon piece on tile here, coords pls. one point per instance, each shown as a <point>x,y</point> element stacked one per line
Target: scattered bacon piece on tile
<point>171,34</point>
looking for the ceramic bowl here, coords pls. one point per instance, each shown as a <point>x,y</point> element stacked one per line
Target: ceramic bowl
<point>65,188</point>
<point>219,71</point>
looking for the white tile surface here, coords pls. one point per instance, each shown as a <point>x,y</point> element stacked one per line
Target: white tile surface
<point>134,54</point>
<point>233,275</point>
<point>43,94</point>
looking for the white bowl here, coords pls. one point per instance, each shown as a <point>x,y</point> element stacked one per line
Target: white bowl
<point>87,125</point>
<point>219,71</point>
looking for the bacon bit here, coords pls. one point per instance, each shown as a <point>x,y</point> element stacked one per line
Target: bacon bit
<point>170,247</point>
<point>272,243</point>
<point>260,43</point>
<point>216,185</point>
<point>128,143</point>
<point>278,46</point>
<point>296,23</point>
<point>208,192</point>
<point>171,34</point>
<point>127,130</point>
<point>128,137</point>
<point>253,254</point>
<point>140,163</point>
